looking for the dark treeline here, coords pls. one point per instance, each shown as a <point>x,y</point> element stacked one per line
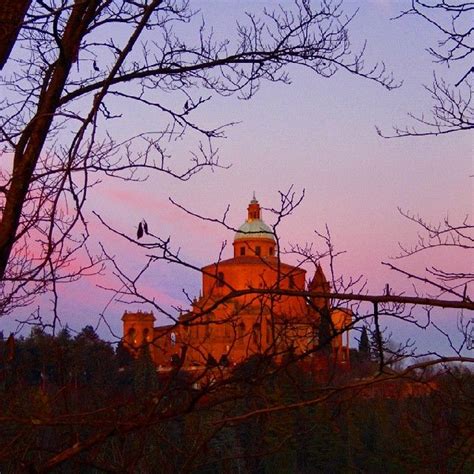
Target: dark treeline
<point>78,404</point>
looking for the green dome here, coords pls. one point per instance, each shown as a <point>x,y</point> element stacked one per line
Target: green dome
<point>254,229</point>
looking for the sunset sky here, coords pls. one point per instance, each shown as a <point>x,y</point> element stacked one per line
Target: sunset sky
<point>318,135</point>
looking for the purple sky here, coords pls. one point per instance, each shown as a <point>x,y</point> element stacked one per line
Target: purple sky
<point>317,134</point>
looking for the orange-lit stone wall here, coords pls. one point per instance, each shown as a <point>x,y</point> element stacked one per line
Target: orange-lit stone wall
<point>225,328</point>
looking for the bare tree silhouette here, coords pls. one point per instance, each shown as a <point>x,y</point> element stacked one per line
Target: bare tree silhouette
<point>452,109</point>
<point>75,63</point>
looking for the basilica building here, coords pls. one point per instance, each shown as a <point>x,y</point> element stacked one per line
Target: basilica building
<point>252,303</point>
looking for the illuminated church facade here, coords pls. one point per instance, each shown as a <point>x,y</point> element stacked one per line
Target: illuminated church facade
<point>250,304</point>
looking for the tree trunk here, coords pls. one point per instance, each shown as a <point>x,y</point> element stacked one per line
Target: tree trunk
<point>30,144</point>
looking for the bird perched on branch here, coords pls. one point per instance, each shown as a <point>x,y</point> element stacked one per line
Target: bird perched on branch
<point>142,228</point>
<point>140,231</point>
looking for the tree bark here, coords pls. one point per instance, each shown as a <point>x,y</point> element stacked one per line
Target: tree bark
<point>30,144</point>
<point>12,15</point>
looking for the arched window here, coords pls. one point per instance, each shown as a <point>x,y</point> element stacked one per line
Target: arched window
<point>256,333</point>
<point>208,330</point>
<point>258,250</point>
<point>173,338</point>
<point>131,335</point>
<point>211,361</point>
<point>146,335</point>
<point>271,251</point>
<point>242,251</point>
<point>240,331</point>
<point>220,279</point>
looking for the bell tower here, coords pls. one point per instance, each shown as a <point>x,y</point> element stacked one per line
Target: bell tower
<point>138,329</point>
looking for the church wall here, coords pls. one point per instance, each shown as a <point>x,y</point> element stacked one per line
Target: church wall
<point>240,326</point>
<point>263,248</point>
<point>341,319</point>
<point>235,274</point>
<point>236,335</point>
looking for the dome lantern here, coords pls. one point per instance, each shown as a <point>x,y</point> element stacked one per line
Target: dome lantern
<point>254,211</point>
<point>254,237</point>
